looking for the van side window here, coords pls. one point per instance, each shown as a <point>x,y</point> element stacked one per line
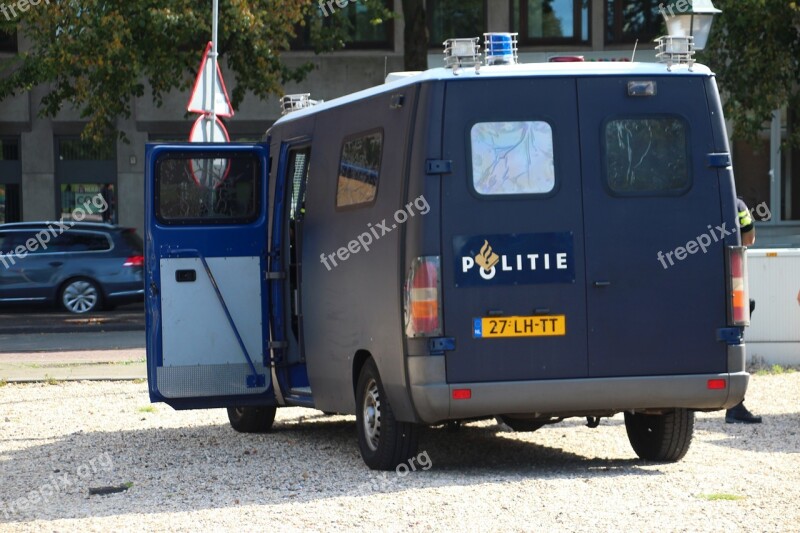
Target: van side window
<point>512,158</point>
<point>647,155</point>
<point>359,168</point>
<point>208,189</point>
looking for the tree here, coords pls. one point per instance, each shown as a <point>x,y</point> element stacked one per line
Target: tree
<point>415,36</point>
<point>755,51</point>
<point>97,55</point>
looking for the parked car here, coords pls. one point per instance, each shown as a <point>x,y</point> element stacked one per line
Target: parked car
<point>81,266</point>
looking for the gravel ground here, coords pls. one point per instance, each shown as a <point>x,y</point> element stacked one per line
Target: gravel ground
<point>189,471</point>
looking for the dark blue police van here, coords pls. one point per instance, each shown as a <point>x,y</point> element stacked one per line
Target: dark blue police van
<point>476,241</point>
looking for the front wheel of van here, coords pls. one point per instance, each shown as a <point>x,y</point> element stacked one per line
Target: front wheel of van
<point>384,442</point>
<point>251,419</point>
<point>664,438</point>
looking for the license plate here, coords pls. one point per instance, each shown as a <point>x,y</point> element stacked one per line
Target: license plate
<point>519,326</point>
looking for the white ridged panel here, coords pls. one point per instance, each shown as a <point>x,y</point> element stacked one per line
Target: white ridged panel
<point>774,278</point>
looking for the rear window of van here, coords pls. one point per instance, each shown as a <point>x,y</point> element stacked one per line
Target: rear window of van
<point>511,158</point>
<point>647,155</point>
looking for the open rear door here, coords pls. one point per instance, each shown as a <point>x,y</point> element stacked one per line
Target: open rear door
<point>205,257</point>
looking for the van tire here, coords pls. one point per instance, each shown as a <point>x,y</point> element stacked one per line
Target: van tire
<point>251,419</point>
<point>663,438</point>
<point>384,442</point>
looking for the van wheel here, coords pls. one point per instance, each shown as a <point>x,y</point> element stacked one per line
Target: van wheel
<point>663,438</point>
<point>520,424</point>
<point>81,295</point>
<point>384,442</point>
<point>251,419</point>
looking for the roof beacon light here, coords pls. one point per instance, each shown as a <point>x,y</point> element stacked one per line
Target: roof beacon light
<point>675,51</point>
<point>295,102</point>
<point>460,53</point>
<point>501,48</point>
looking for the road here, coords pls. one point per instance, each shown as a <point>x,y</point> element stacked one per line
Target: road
<point>41,344</point>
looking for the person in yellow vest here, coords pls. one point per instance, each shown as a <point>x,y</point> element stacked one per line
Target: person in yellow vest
<point>739,414</point>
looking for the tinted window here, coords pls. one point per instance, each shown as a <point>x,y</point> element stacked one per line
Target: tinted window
<point>76,241</point>
<point>359,168</point>
<point>9,241</point>
<point>647,155</point>
<point>132,239</point>
<point>512,158</point>
<point>216,189</point>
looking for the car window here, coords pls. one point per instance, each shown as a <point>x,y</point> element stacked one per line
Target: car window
<point>13,239</point>
<point>359,169</point>
<point>647,155</point>
<point>132,239</point>
<point>512,158</point>
<point>76,241</point>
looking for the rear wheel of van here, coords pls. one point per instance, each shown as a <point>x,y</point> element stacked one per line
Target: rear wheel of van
<point>384,442</point>
<point>664,437</point>
<point>251,419</point>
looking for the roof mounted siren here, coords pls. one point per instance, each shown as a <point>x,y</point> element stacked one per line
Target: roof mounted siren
<point>459,53</point>
<point>295,102</point>
<point>501,48</point>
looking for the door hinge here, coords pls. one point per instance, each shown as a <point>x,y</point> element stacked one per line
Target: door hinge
<point>731,336</point>
<point>721,160</point>
<point>274,275</point>
<point>438,166</point>
<point>439,345</point>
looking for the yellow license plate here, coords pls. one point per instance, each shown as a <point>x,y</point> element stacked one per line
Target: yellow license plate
<point>519,326</point>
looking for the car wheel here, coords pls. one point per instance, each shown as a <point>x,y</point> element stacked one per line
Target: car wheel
<point>251,419</point>
<point>663,438</point>
<point>81,296</point>
<point>520,424</point>
<point>383,441</point>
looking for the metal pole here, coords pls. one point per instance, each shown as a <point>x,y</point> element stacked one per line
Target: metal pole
<point>214,36</point>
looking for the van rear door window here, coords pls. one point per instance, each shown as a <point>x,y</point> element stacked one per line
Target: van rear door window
<point>512,158</point>
<point>647,155</point>
<point>212,188</point>
<point>359,168</point>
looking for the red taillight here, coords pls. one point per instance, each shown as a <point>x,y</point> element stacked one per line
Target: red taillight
<point>738,294</point>
<point>134,261</point>
<point>462,394</point>
<point>717,384</point>
<point>422,298</point>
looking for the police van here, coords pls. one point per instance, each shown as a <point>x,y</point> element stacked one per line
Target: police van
<point>488,239</point>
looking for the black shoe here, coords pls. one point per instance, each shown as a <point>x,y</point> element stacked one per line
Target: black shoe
<point>740,415</point>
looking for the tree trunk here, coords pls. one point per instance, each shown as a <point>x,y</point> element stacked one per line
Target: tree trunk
<point>415,36</point>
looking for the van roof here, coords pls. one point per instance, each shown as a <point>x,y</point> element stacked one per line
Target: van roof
<point>612,68</point>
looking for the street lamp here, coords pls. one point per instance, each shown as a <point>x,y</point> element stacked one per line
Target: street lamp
<point>689,18</point>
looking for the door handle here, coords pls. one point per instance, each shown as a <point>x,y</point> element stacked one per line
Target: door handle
<point>56,263</point>
<point>185,276</point>
<point>601,284</point>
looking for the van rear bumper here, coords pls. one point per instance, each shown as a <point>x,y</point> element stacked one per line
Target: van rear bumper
<point>433,400</point>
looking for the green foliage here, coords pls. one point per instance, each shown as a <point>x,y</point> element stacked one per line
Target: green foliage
<point>3,382</point>
<point>755,52</point>
<point>97,55</point>
<point>147,409</point>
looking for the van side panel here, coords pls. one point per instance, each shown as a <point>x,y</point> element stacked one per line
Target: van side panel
<point>355,303</point>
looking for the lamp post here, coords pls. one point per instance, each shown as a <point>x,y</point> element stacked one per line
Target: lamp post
<point>689,18</point>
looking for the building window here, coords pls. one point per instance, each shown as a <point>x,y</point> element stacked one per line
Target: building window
<point>86,174</point>
<point>8,41</point>
<point>448,19</point>
<point>551,21</point>
<point>359,168</point>
<point>512,158</point>
<point>355,22</point>
<point>647,156</point>
<point>628,20</point>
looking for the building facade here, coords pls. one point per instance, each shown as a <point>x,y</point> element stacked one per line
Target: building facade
<point>46,171</point>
